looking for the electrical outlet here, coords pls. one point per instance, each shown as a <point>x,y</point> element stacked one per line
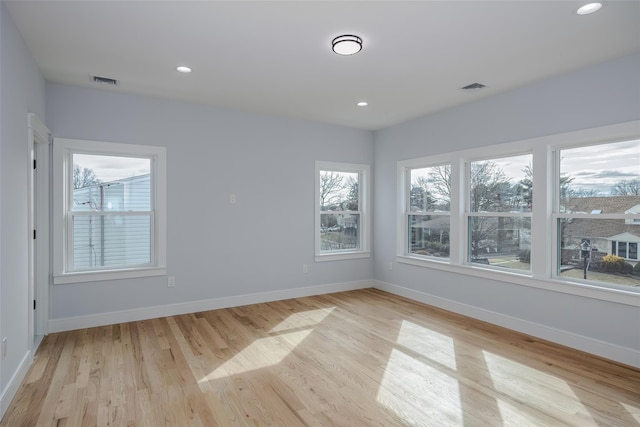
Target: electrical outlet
<point>171,281</point>
<point>232,199</point>
<point>4,347</point>
<point>305,268</point>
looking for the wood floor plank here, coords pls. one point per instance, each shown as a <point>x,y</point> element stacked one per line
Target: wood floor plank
<point>359,358</point>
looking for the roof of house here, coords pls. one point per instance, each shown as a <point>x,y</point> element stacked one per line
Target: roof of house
<point>607,205</point>
<point>603,228</point>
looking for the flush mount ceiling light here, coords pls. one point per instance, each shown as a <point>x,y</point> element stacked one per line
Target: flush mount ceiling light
<point>362,104</point>
<point>346,44</point>
<point>183,69</point>
<point>589,8</point>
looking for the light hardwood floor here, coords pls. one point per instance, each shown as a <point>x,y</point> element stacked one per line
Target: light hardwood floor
<point>360,358</point>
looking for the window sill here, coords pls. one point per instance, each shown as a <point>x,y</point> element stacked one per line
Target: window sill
<point>573,288</point>
<point>342,256</point>
<point>95,276</point>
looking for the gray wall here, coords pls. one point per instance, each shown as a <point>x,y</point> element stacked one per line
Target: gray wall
<point>215,249</point>
<point>22,91</point>
<point>601,95</point>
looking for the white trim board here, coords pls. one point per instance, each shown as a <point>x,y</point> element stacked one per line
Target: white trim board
<point>617,353</point>
<point>110,318</point>
<point>14,383</point>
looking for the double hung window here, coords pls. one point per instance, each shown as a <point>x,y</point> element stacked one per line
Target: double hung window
<point>597,212</point>
<point>500,198</point>
<point>342,206</point>
<point>110,201</point>
<point>476,212</point>
<point>427,211</point>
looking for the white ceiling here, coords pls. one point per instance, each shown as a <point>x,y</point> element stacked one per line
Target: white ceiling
<point>275,57</point>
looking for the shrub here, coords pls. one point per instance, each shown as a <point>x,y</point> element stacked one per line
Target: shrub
<point>636,269</point>
<point>626,268</point>
<point>438,247</point>
<point>612,263</point>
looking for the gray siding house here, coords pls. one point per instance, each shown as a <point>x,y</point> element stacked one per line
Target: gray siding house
<point>112,224</point>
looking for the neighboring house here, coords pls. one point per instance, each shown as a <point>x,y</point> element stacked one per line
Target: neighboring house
<point>606,236</point>
<point>115,217</point>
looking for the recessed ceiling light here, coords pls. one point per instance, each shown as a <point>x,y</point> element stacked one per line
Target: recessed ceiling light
<point>183,69</point>
<point>589,8</point>
<point>346,44</point>
<point>362,104</point>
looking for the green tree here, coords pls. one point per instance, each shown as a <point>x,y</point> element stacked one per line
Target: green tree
<point>353,197</point>
<point>420,196</point>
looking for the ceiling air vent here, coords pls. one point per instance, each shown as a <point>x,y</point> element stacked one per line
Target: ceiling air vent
<point>104,80</point>
<point>473,87</point>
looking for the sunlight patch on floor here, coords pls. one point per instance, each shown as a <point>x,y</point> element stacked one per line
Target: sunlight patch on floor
<point>634,411</point>
<point>260,354</point>
<point>304,319</point>
<point>270,351</point>
<point>521,383</point>
<point>431,344</point>
<point>417,392</point>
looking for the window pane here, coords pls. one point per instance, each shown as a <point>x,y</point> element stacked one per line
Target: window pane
<point>600,237</point>
<point>601,179</point>
<point>339,232</point>
<point>429,235</point>
<point>622,249</point>
<point>111,183</point>
<point>339,191</point>
<point>109,241</point>
<point>501,241</point>
<point>633,251</point>
<point>501,185</point>
<point>430,189</point>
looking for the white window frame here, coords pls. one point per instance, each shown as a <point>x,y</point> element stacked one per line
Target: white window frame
<point>363,172</point>
<point>616,136</point>
<point>404,202</point>
<point>544,244</point>
<point>63,150</point>
<point>492,214</point>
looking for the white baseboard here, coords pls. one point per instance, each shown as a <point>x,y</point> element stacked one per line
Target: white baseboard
<point>110,318</point>
<point>604,349</point>
<point>14,383</point>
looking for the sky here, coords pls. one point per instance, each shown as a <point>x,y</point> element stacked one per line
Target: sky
<point>112,168</point>
<point>593,168</point>
<point>600,167</point>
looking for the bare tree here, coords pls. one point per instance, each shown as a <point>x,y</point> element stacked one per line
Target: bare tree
<point>440,181</point>
<point>84,177</point>
<point>487,179</point>
<point>626,188</point>
<point>331,185</point>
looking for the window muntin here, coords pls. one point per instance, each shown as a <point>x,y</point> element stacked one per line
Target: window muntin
<point>428,211</point>
<point>500,201</point>
<point>341,206</point>
<point>598,190</point>
<point>110,199</point>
